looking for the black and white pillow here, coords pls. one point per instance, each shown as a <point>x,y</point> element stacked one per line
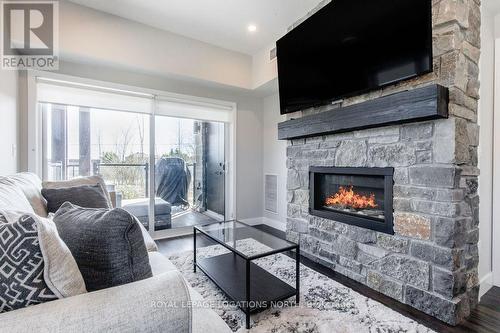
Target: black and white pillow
<point>22,266</point>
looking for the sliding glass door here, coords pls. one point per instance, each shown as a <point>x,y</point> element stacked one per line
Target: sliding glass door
<point>184,170</point>
<point>169,172</point>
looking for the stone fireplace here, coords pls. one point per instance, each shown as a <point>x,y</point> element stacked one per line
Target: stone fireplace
<point>429,259</point>
<point>355,196</point>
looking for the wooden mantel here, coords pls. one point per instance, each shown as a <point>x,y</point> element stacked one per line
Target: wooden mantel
<point>429,102</point>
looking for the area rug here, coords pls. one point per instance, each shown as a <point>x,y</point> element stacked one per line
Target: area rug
<point>325,305</point>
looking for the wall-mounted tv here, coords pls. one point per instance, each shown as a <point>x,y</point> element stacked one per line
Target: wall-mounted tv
<point>353,46</point>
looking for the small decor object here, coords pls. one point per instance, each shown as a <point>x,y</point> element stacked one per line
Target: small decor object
<point>108,245</point>
<point>22,266</point>
<point>89,196</point>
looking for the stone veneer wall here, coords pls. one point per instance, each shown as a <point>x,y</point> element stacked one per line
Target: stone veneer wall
<point>431,261</point>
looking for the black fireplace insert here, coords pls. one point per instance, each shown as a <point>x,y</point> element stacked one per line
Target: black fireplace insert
<point>356,196</point>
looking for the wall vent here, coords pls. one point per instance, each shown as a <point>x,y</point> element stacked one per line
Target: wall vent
<point>272,54</point>
<point>271,193</point>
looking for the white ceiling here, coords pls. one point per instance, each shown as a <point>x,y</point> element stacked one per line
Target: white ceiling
<point>218,22</point>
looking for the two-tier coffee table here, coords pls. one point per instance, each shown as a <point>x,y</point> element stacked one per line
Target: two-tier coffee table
<point>234,272</point>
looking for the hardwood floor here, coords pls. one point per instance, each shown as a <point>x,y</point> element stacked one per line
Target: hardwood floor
<point>484,319</point>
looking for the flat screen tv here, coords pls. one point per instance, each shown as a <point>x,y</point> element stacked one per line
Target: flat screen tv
<point>351,47</point>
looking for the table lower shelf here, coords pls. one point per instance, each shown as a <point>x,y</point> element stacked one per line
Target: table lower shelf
<point>227,271</point>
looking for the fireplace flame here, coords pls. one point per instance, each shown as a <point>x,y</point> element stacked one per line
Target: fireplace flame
<point>347,197</point>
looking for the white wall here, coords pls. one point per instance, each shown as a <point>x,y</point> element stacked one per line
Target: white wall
<point>263,68</point>
<point>95,37</point>
<point>274,154</point>
<point>8,122</point>
<point>486,108</point>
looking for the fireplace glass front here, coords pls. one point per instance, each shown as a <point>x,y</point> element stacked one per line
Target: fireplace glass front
<point>357,196</point>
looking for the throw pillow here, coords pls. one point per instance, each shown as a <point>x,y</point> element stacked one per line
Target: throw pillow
<point>21,271</point>
<point>89,180</point>
<point>107,245</point>
<point>89,196</point>
<point>60,272</point>
<point>36,266</point>
<point>31,186</point>
<point>12,197</point>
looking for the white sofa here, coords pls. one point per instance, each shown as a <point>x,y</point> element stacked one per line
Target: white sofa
<point>163,303</point>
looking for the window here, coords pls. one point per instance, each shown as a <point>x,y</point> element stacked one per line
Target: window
<point>92,131</point>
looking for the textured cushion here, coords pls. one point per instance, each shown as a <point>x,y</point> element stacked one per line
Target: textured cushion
<point>22,267</point>
<point>107,245</point>
<point>12,197</point>
<point>61,272</point>
<point>31,185</point>
<point>89,196</point>
<point>90,180</point>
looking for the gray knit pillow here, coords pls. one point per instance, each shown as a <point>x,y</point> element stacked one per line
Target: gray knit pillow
<point>107,245</point>
<point>89,196</point>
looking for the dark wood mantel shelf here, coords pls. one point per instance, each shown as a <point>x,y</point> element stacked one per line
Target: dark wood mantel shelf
<point>430,102</point>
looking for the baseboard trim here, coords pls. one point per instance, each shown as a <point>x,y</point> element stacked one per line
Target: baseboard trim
<point>267,221</point>
<point>485,284</point>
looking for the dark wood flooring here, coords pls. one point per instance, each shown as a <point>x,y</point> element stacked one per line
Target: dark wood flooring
<point>484,319</point>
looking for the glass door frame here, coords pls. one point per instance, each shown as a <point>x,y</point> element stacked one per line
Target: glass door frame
<point>35,137</point>
<point>230,156</point>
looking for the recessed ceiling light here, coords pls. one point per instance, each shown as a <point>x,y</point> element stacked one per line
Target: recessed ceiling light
<point>252,28</point>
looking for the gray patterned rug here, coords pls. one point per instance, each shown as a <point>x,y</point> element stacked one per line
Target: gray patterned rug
<point>325,306</point>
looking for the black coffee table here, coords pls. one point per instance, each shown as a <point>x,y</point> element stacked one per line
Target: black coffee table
<point>251,286</point>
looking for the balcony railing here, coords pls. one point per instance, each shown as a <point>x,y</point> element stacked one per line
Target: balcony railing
<point>97,166</point>
<point>72,170</point>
